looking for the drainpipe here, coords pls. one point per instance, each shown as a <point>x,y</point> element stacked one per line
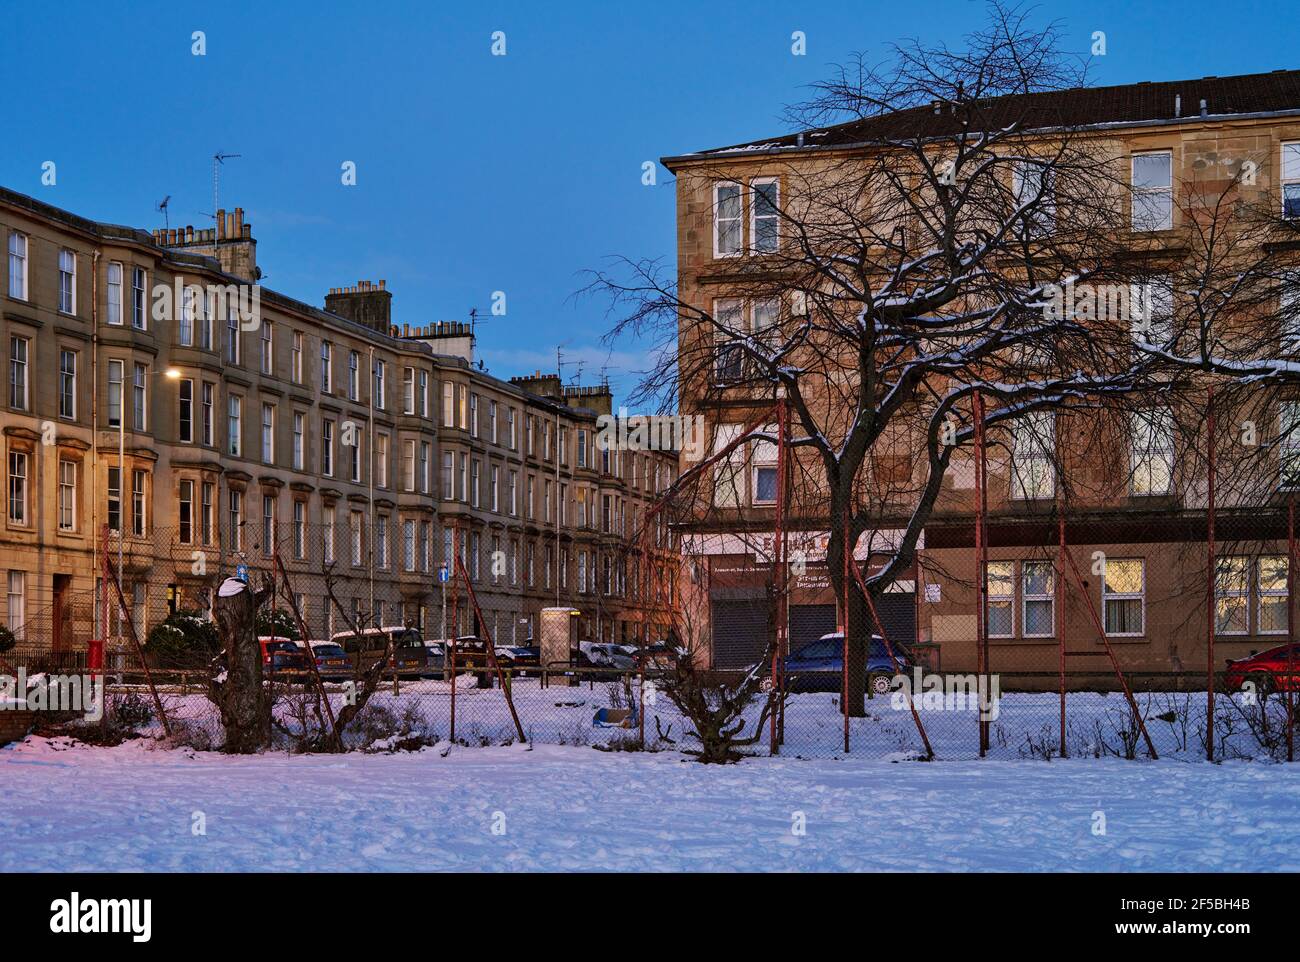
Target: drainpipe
<point>370,480</point>
<point>94,435</point>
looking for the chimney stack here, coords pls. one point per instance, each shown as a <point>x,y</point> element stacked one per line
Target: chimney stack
<point>365,303</point>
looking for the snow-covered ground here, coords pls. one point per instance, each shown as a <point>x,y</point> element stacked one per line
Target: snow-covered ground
<point>65,806</point>
<point>1026,724</point>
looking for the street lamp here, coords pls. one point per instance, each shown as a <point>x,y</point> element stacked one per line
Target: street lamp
<point>172,374</point>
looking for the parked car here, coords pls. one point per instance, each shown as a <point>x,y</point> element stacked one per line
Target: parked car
<point>659,654</point>
<point>435,657</point>
<point>1269,670</point>
<point>282,654</point>
<point>471,653</point>
<point>409,652</point>
<point>332,662</point>
<point>518,657</point>
<point>602,654</point>
<point>819,665</point>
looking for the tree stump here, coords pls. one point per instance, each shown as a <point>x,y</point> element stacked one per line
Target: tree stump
<point>240,696</point>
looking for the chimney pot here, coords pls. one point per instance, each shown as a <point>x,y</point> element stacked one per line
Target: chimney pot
<point>221,223</point>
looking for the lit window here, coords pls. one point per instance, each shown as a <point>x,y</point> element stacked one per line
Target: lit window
<point>1231,599</point>
<point>1123,596</point>
<point>1273,594</point>
<point>1001,599</point>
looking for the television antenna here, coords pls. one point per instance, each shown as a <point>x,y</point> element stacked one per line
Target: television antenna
<point>162,207</point>
<point>218,161</point>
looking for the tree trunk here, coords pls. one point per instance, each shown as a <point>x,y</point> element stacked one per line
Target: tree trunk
<point>857,620</point>
<point>860,631</point>
<point>241,697</point>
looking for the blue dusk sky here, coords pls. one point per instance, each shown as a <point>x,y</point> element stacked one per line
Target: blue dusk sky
<point>478,173</point>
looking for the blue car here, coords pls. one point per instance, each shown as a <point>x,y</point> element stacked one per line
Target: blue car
<point>819,665</point>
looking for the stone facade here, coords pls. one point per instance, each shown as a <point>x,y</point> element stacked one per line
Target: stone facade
<point>1207,154</point>
<point>325,432</point>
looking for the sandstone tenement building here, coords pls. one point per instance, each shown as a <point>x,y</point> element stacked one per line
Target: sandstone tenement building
<point>197,440</point>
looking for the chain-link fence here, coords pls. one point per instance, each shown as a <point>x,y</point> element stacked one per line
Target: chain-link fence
<point>1037,617</point>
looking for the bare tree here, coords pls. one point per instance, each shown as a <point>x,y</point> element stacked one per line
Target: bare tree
<point>912,259</point>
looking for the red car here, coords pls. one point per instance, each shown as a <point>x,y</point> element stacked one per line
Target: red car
<point>282,654</point>
<point>1276,669</point>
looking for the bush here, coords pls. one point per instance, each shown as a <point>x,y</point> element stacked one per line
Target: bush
<point>185,640</point>
<point>277,621</point>
<point>130,710</point>
<point>7,639</point>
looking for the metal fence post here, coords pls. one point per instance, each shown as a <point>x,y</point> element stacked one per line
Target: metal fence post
<point>1211,579</point>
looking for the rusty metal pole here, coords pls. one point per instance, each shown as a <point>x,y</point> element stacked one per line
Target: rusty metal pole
<point>489,648</point>
<point>124,614</point>
<point>889,650</point>
<point>450,643</point>
<point>1291,624</point>
<point>981,564</point>
<point>779,577</point>
<point>1110,654</point>
<point>1210,581</point>
<point>1060,611</point>
<point>844,637</point>
<point>104,563</point>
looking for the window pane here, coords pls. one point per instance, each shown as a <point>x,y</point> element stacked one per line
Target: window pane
<point>1123,577</point>
<point>1152,170</point>
<point>1291,161</point>
<point>1038,578</point>
<point>1152,210</point>
<point>1124,616</point>
<point>1038,618</point>
<point>1001,575</point>
<point>999,618</point>
<point>1272,573</point>
<point>1291,200</point>
<point>1272,614</point>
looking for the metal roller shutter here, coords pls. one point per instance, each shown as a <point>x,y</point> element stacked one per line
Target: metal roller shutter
<point>740,631</point>
<point>898,612</point>
<point>810,622</point>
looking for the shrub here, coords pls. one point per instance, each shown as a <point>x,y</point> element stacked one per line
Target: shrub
<point>277,621</point>
<point>7,639</point>
<point>185,640</point>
